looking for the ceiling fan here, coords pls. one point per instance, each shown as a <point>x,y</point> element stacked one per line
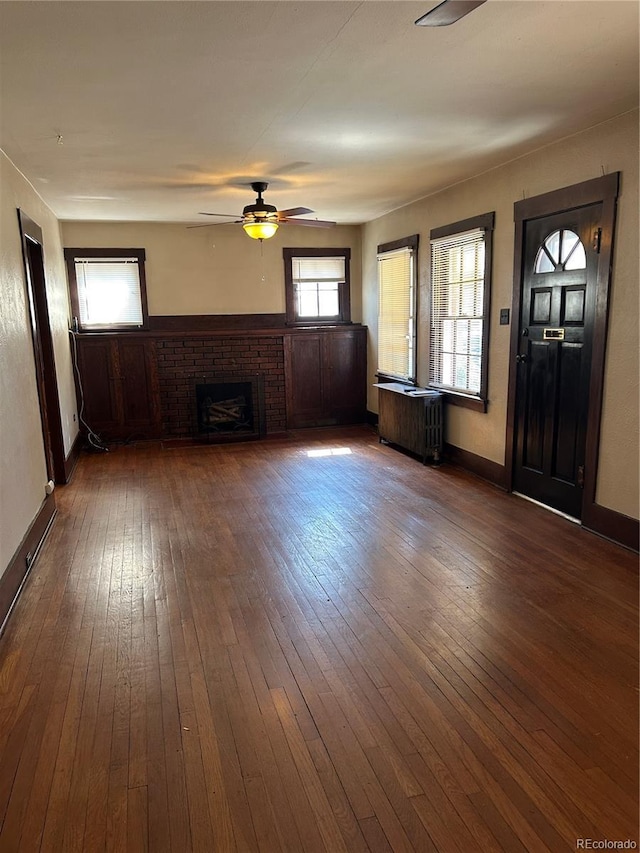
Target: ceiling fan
<point>448,12</point>
<point>261,220</point>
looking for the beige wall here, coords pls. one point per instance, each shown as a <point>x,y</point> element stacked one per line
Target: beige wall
<point>610,147</point>
<point>22,464</point>
<point>216,270</point>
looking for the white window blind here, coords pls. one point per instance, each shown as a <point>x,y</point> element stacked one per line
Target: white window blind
<point>108,292</point>
<point>396,313</point>
<point>457,312</point>
<point>316,282</point>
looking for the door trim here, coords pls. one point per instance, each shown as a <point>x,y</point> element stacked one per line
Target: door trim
<point>602,190</point>
<point>44,356</point>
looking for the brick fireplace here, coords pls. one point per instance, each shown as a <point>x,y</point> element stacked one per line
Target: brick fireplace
<point>186,361</point>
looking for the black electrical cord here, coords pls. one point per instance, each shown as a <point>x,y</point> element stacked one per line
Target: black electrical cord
<point>92,437</point>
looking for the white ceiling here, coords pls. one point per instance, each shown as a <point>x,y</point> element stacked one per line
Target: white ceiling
<point>345,107</point>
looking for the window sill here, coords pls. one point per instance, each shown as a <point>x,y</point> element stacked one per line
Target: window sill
<point>473,403</point>
<point>313,323</point>
<point>387,377</point>
<point>109,330</point>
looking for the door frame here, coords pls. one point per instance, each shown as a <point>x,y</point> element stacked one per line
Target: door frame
<point>602,190</point>
<point>44,356</point>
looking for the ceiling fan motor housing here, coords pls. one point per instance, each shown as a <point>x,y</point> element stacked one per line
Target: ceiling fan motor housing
<point>260,210</point>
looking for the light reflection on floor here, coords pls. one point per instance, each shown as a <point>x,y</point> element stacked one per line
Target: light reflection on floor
<point>330,451</point>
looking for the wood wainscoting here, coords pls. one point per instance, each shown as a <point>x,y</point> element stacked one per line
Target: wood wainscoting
<point>139,385</point>
<point>315,644</point>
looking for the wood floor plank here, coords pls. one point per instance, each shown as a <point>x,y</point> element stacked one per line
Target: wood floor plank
<point>248,648</point>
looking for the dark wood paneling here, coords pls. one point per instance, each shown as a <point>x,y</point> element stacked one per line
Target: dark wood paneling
<point>215,322</point>
<point>99,377</point>
<point>139,384</point>
<point>22,562</point>
<point>119,377</point>
<point>325,370</point>
<point>191,331</point>
<point>346,375</point>
<point>304,374</point>
<point>326,377</point>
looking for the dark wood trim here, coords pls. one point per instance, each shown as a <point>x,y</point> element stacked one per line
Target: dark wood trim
<point>483,220</point>
<point>411,242</point>
<point>267,332</point>
<point>514,344</point>
<point>371,418</point>
<point>387,377</point>
<point>71,460</point>
<point>615,526</point>
<point>568,198</point>
<point>478,465</point>
<point>44,355</point>
<point>344,289</point>
<point>214,322</point>
<point>599,343</point>
<point>71,254</point>
<point>602,190</point>
<point>22,561</point>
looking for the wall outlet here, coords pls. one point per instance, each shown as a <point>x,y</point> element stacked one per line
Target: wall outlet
<point>504,316</point>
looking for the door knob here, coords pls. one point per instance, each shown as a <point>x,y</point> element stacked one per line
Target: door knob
<point>521,359</point>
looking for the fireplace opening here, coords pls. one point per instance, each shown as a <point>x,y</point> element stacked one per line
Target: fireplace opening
<point>230,408</point>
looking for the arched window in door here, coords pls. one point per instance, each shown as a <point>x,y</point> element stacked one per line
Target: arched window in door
<point>562,250</point>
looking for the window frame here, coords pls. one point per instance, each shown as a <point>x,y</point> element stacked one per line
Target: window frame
<point>412,242</point>
<point>485,222</point>
<point>70,256</point>
<point>344,288</point>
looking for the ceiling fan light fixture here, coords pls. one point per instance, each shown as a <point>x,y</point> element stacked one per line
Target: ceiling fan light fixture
<point>260,230</point>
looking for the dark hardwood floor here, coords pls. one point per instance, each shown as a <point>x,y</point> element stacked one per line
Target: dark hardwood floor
<point>253,647</point>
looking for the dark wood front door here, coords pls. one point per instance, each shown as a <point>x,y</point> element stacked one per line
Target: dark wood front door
<point>559,284</point>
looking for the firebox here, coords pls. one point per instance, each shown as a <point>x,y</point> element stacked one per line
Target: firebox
<point>230,408</point>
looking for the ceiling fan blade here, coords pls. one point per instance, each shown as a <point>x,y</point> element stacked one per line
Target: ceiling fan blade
<point>212,224</point>
<point>314,223</point>
<point>294,211</point>
<point>448,12</point>
<point>227,215</point>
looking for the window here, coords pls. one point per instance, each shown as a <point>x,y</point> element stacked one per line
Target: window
<point>397,265</point>
<point>108,288</point>
<point>317,286</point>
<point>460,291</point>
<point>562,250</point>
